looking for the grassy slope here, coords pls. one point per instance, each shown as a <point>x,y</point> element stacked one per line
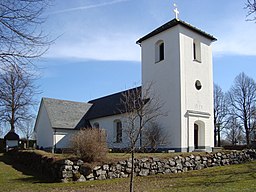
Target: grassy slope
<point>228,178</point>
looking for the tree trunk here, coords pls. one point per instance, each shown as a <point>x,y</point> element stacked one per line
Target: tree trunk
<point>140,140</point>
<point>12,126</point>
<point>215,136</point>
<point>247,132</point>
<point>140,132</point>
<point>27,142</point>
<point>215,131</point>
<point>219,136</point>
<point>13,105</point>
<point>132,173</point>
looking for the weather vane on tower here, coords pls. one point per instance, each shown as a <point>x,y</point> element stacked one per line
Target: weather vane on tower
<point>176,11</point>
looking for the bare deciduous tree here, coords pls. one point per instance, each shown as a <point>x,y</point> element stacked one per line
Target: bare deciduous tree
<point>242,100</point>
<point>27,129</point>
<point>254,127</point>
<point>20,35</point>
<point>16,95</point>
<point>1,130</point>
<point>154,136</point>
<point>250,5</point>
<point>234,132</point>
<point>220,113</point>
<point>140,107</point>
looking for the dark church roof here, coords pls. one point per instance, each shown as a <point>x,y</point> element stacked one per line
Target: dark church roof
<point>76,115</point>
<point>107,106</point>
<point>173,23</point>
<point>11,135</point>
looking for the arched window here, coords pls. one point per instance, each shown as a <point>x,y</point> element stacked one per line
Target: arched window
<point>159,51</point>
<point>96,125</point>
<point>118,131</point>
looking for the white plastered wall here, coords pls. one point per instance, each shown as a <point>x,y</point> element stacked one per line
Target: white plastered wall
<point>199,101</point>
<point>165,78</point>
<point>174,81</point>
<point>62,137</point>
<point>12,143</point>
<point>108,124</point>
<point>43,129</point>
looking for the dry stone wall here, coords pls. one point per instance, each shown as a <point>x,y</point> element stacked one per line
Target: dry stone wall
<point>152,166</point>
<point>67,170</point>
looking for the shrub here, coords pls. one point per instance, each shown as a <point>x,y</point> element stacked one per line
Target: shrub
<point>90,144</point>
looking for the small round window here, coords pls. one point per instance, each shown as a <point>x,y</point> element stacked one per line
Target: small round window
<point>198,85</point>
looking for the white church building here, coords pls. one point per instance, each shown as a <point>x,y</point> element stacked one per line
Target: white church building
<point>177,58</point>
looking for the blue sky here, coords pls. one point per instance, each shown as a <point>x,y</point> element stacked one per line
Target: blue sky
<point>95,53</point>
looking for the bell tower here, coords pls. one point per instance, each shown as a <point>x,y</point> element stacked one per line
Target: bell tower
<point>177,61</point>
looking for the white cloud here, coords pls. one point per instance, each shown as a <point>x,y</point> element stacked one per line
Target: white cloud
<point>236,37</point>
<point>99,47</point>
<point>101,37</point>
<point>89,6</point>
<point>92,36</point>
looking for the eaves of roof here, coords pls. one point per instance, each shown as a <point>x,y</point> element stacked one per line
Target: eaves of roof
<point>173,23</point>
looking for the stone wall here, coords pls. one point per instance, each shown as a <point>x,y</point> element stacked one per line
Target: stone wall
<point>67,170</point>
<point>35,162</point>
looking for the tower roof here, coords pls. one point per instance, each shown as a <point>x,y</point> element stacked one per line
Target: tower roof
<point>173,23</point>
<point>11,135</point>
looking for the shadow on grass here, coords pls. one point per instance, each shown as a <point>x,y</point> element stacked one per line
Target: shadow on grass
<point>34,176</point>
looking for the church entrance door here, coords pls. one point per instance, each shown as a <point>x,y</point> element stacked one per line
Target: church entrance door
<point>196,136</point>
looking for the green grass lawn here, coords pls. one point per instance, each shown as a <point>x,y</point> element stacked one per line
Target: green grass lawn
<point>229,178</point>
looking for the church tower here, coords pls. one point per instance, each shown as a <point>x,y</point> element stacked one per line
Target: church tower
<point>177,61</point>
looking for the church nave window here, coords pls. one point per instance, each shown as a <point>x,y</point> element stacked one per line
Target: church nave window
<point>159,51</point>
<point>118,131</point>
<point>96,125</point>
